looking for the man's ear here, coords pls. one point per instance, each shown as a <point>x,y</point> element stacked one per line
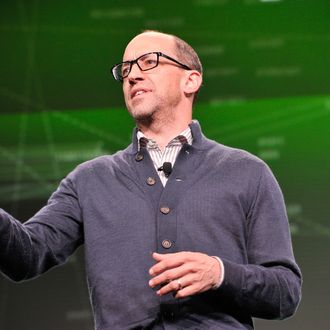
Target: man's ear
<point>192,82</point>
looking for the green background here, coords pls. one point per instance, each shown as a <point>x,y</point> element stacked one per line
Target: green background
<point>266,89</point>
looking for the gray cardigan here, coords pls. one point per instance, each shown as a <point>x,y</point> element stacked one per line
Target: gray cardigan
<point>218,200</point>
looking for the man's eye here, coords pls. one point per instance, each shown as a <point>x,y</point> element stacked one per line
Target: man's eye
<point>125,70</point>
<point>150,61</point>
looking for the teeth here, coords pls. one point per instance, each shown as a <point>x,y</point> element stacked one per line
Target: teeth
<point>139,93</point>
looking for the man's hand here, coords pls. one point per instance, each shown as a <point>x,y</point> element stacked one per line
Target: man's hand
<point>184,273</point>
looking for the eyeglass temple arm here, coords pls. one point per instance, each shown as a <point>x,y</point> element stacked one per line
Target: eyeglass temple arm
<point>174,60</point>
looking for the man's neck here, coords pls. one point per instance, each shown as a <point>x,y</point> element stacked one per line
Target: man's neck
<point>163,133</point>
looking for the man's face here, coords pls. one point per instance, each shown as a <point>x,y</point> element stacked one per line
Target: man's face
<point>156,92</point>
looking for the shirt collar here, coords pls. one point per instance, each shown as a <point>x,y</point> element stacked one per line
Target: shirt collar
<point>183,138</point>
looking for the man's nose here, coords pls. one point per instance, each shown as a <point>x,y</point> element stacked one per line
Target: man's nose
<point>135,73</point>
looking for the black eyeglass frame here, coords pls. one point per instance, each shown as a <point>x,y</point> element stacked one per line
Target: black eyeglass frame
<point>183,66</point>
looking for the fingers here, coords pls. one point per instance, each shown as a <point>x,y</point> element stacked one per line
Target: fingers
<point>169,267</point>
<point>173,286</point>
<point>178,285</point>
<point>184,286</point>
<point>167,261</point>
<point>186,291</point>
<point>167,276</point>
<point>183,273</point>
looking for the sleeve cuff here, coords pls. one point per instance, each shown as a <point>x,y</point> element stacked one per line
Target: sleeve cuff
<point>222,273</point>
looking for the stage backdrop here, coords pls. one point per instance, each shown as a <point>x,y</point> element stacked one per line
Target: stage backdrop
<point>266,89</point>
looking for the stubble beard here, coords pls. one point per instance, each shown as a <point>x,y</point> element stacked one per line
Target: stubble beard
<point>145,117</point>
<point>146,114</point>
<point>158,111</point>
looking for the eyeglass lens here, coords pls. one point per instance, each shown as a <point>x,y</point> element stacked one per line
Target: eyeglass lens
<point>145,62</point>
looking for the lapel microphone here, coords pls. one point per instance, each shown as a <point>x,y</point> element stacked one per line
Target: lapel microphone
<point>166,168</point>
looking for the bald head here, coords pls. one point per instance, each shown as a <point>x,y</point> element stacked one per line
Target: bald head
<point>149,41</point>
<point>181,49</point>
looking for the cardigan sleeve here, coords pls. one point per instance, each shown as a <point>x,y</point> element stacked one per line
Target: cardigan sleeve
<point>269,285</point>
<point>46,240</point>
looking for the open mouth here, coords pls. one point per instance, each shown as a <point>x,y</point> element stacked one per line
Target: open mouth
<point>138,92</point>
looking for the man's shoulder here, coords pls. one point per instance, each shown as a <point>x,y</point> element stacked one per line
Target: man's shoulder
<point>104,162</point>
<point>236,164</point>
<point>228,154</point>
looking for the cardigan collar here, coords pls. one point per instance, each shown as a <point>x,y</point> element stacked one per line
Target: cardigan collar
<point>198,138</point>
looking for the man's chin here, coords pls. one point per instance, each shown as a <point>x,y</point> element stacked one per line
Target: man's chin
<point>145,119</point>
<point>142,116</point>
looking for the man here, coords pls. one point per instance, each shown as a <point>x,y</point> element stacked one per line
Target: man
<point>179,231</point>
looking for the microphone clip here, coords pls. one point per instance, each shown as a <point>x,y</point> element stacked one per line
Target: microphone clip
<point>166,168</point>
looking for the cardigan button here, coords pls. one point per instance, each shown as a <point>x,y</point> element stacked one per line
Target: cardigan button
<point>138,157</point>
<point>166,243</point>
<point>165,209</point>
<point>151,181</point>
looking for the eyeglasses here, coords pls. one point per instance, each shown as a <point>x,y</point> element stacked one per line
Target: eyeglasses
<point>145,62</point>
